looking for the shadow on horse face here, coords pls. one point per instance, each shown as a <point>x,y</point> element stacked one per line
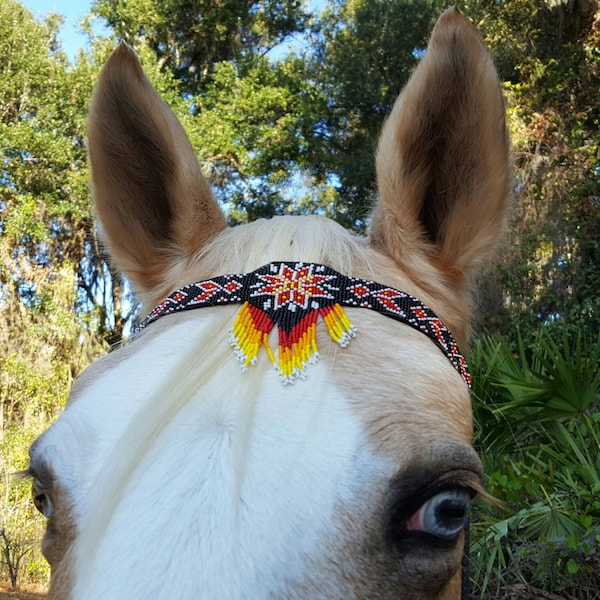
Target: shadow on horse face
<point>175,473</point>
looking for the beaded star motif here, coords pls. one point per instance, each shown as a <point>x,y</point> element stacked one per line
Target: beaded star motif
<point>292,296</point>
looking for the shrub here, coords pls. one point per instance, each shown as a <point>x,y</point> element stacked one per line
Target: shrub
<point>538,432</point>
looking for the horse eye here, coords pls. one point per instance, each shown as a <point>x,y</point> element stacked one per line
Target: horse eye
<point>41,499</point>
<point>442,516</point>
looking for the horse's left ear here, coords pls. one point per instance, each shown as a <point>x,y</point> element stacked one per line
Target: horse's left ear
<point>156,208</point>
<point>443,167</point>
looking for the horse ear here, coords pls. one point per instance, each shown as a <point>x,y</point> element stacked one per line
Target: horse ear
<point>155,206</point>
<point>443,167</point>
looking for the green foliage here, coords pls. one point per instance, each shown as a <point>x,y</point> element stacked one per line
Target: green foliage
<point>538,429</point>
<point>364,55</point>
<point>191,38</point>
<point>43,179</point>
<point>39,99</point>
<point>45,207</point>
<point>21,528</point>
<point>251,132</point>
<point>43,348</point>
<point>547,54</point>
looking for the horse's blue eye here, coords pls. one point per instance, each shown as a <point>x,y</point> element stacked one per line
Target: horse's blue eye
<point>442,516</point>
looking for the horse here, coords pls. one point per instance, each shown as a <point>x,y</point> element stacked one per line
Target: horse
<point>307,431</point>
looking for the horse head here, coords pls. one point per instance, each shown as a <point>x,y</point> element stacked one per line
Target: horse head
<point>173,472</point>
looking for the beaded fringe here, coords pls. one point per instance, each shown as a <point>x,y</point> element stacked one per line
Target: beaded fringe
<point>297,345</point>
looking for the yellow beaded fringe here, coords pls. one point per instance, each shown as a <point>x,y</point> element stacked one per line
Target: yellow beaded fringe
<point>297,347</point>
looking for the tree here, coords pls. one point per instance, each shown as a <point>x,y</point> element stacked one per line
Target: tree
<point>364,54</point>
<point>12,555</point>
<point>46,219</point>
<point>547,53</point>
<point>248,114</point>
<point>190,38</point>
<point>43,180</point>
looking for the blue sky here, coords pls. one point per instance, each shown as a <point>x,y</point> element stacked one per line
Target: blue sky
<point>72,10</point>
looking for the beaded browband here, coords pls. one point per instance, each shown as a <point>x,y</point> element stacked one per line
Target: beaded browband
<point>291,296</point>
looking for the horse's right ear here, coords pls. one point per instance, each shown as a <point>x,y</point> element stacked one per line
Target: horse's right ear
<point>443,167</point>
<point>156,208</point>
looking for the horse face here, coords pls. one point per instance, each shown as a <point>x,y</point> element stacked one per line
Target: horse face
<point>172,473</point>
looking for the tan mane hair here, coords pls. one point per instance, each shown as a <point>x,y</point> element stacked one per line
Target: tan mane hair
<point>310,239</point>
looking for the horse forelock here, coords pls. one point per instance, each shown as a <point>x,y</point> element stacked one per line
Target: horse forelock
<point>244,248</point>
<point>316,239</point>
